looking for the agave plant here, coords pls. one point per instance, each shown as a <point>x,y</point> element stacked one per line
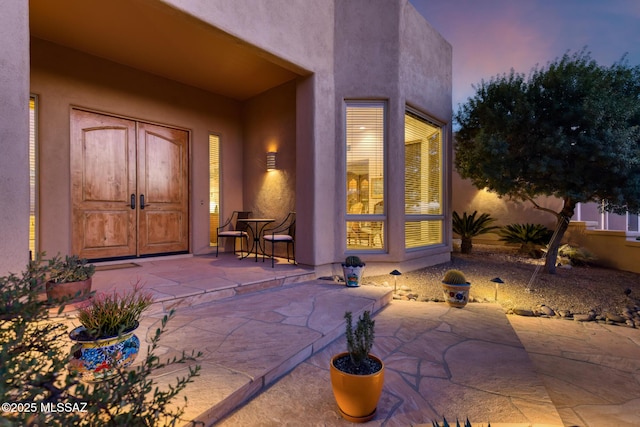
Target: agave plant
<point>446,424</point>
<point>468,227</point>
<point>530,237</point>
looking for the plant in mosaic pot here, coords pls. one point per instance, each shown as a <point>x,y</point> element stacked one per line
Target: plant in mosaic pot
<point>357,376</point>
<point>353,269</point>
<point>69,278</point>
<point>455,288</point>
<point>105,341</point>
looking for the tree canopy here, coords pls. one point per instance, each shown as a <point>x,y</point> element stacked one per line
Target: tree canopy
<point>569,130</point>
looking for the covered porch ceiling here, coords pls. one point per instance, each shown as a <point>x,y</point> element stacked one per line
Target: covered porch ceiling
<point>153,37</point>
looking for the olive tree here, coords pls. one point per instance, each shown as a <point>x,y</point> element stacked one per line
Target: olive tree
<point>569,130</point>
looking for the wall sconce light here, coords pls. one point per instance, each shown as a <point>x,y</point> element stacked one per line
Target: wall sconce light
<point>271,160</point>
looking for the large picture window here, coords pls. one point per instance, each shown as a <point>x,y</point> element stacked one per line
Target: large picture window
<point>365,178</point>
<point>424,217</point>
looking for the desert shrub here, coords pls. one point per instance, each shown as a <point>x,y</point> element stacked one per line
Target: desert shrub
<point>33,369</point>
<point>531,237</point>
<point>574,255</point>
<point>468,227</point>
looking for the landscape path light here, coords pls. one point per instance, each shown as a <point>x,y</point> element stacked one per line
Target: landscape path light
<point>497,281</point>
<point>395,274</point>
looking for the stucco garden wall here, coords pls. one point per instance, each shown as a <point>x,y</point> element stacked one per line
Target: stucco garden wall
<point>614,249</point>
<point>62,78</point>
<point>14,136</point>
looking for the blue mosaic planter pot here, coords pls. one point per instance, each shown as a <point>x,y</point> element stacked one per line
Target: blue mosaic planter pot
<point>98,360</point>
<point>352,275</point>
<point>456,295</point>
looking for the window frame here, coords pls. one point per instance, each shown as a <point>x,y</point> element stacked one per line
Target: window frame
<point>367,217</point>
<point>410,218</point>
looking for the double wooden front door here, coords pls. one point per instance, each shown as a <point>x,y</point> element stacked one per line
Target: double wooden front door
<point>129,187</point>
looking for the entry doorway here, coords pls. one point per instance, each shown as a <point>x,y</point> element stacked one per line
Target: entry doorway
<point>129,187</point>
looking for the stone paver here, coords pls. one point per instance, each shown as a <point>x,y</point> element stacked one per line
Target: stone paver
<point>272,341</point>
<point>251,340</point>
<point>591,370</point>
<point>439,361</point>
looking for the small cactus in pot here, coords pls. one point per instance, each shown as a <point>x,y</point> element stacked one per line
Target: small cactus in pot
<point>352,269</point>
<point>454,277</point>
<point>455,288</point>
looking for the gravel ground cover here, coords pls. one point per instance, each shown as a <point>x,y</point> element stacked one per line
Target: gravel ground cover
<point>584,292</point>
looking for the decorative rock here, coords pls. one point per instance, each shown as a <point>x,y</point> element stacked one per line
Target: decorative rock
<point>582,317</point>
<point>630,323</point>
<point>522,312</point>
<point>547,310</point>
<point>615,318</point>
<point>564,313</point>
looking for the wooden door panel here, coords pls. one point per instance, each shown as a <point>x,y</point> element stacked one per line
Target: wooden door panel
<point>103,164</point>
<point>163,181</point>
<point>163,170</point>
<point>162,229</point>
<point>107,229</point>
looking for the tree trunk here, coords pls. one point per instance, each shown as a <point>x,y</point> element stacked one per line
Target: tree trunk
<point>561,226</point>
<point>466,245</point>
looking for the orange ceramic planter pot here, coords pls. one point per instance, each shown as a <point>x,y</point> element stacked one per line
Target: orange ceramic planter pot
<point>69,290</point>
<point>356,395</point>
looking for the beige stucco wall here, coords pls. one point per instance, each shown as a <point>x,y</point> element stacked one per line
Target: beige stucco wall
<point>467,198</point>
<point>351,45</point>
<point>387,51</point>
<point>299,32</point>
<point>269,124</point>
<point>425,83</point>
<point>62,78</point>
<point>14,136</point>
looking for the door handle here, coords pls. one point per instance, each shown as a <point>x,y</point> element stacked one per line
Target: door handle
<point>142,201</point>
<point>133,201</point>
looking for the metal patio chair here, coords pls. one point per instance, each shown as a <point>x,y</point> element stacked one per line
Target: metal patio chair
<point>233,229</point>
<point>285,232</point>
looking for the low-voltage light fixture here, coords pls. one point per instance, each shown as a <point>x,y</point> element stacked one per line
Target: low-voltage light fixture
<point>271,161</point>
<point>395,274</point>
<point>497,281</point>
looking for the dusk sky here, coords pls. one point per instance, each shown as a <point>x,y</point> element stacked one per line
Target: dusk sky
<point>490,37</point>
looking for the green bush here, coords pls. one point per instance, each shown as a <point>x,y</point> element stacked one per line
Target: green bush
<point>574,255</point>
<point>530,237</point>
<point>468,227</point>
<point>33,369</point>
<point>70,269</point>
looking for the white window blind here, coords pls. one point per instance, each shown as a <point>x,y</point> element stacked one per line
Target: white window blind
<point>423,181</point>
<point>365,180</point>
<point>214,188</point>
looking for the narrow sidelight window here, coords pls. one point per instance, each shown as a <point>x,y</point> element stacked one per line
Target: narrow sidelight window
<point>214,188</point>
<point>33,180</point>
<point>365,177</point>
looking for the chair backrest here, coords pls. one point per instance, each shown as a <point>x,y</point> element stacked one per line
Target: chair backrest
<point>241,225</point>
<point>356,208</point>
<point>292,224</point>
<point>376,226</point>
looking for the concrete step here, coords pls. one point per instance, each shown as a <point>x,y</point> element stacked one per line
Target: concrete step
<point>251,340</point>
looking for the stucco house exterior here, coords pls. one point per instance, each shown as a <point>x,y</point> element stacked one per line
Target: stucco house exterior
<point>150,122</point>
